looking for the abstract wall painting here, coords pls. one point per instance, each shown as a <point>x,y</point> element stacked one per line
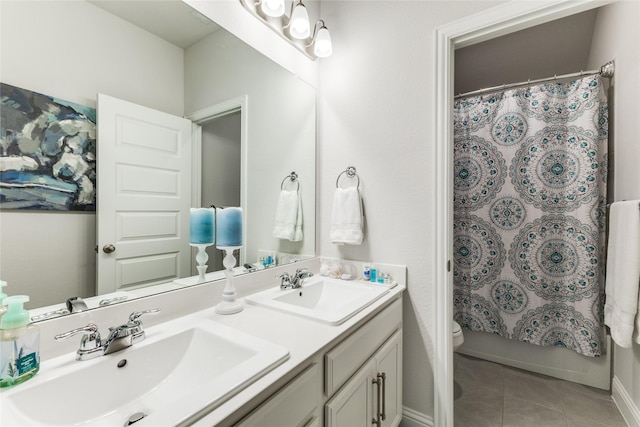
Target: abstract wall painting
<point>47,152</point>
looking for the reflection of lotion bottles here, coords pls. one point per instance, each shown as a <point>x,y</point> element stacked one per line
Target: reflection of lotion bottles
<point>19,343</point>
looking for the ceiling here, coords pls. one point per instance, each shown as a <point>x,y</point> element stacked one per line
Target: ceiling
<point>554,48</point>
<point>171,20</point>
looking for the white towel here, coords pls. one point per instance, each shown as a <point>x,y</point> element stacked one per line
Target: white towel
<point>346,219</point>
<point>288,224</point>
<point>623,272</point>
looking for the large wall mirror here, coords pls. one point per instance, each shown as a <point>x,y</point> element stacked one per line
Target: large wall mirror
<point>165,56</point>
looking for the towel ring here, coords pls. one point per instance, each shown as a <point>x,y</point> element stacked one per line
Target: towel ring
<point>293,177</point>
<point>351,173</point>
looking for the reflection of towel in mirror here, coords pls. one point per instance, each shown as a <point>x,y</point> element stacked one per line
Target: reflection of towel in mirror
<point>288,216</point>
<point>346,219</point>
<point>623,273</point>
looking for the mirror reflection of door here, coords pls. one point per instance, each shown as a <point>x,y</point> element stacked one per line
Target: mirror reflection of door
<point>143,198</point>
<point>221,175</point>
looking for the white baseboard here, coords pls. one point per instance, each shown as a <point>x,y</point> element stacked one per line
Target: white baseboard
<point>411,418</point>
<point>628,408</point>
<point>556,362</point>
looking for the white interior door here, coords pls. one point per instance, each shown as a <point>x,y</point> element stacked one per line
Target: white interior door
<point>143,196</point>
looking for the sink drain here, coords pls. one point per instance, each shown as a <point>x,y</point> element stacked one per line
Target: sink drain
<point>134,418</point>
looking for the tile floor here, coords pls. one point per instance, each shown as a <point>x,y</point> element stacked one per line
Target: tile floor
<point>488,394</point>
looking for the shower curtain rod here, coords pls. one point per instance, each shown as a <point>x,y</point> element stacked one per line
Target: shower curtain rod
<point>605,71</point>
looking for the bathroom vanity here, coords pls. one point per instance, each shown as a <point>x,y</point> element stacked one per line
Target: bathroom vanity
<point>334,373</point>
<point>259,367</point>
<point>342,382</point>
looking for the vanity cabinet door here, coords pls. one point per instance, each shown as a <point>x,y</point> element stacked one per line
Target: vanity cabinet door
<point>389,362</point>
<point>352,405</point>
<point>296,404</point>
<point>373,396</point>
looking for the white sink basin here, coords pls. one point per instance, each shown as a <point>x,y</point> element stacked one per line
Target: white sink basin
<point>169,379</point>
<point>326,300</point>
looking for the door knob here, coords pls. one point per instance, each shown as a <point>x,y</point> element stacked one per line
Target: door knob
<point>107,249</point>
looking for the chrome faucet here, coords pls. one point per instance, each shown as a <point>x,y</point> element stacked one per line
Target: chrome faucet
<point>76,305</point>
<point>120,337</point>
<point>123,336</point>
<point>288,281</point>
<point>298,278</point>
<point>285,280</point>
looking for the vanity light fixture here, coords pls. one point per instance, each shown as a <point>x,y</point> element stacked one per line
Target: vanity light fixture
<point>273,8</point>
<point>296,28</point>
<point>321,41</point>
<point>299,27</point>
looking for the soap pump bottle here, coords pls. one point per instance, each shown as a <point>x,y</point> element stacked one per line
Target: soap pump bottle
<point>19,343</point>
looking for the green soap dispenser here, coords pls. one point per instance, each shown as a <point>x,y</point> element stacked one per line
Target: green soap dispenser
<point>19,343</point>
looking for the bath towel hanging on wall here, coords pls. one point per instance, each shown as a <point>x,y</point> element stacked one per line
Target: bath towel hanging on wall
<point>529,213</point>
<point>288,222</point>
<point>346,216</point>
<point>623,273</point>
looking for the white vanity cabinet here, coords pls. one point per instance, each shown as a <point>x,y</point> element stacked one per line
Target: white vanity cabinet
<point>296,404</point>
<point>361,379</point>
<point>373,396</point>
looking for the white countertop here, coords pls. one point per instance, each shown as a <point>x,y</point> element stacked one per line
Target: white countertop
<point>303,337</point>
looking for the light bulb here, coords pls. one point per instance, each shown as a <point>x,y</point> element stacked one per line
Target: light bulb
<point>322,45</point>
<point>299,25</point>
<point>274,8</point>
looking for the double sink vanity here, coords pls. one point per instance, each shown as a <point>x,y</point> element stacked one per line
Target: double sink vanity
<point>326,353</point>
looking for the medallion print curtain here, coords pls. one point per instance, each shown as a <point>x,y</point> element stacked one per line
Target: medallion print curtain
<point>529,213</point>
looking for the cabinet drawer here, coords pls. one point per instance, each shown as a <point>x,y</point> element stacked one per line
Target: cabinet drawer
<point>296,404</point>
<point>346,358</point>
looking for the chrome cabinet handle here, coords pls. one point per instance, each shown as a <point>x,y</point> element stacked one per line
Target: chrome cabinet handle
<point>383,377</point>
<point>378,382</point>
<point>381,385</point>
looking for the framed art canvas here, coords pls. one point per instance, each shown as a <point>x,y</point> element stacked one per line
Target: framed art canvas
<point>47,152</point>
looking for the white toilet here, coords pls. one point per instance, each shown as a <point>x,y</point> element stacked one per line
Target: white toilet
<point>458,338</point>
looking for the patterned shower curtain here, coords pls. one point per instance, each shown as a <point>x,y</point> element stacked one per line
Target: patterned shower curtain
<point>530,170</point>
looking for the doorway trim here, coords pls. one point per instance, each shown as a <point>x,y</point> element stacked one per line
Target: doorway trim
<point>490,23</point>
<point>200,117</point>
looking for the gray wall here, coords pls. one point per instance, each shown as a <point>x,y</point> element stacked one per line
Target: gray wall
<point>377,114</point>
<point>50,256</point>
<point>616,35</point>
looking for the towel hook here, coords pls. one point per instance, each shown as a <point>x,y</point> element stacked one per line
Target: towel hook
<point>293,177</point>
<point>351,173</point>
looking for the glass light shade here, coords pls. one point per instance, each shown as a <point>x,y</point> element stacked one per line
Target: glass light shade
<point>274,8</point>
<point>299,27</point>
<point>322,46</point>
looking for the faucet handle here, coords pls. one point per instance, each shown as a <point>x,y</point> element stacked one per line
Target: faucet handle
<point>285,280</point>
<point>133,317</point>
<point>90,340</point>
